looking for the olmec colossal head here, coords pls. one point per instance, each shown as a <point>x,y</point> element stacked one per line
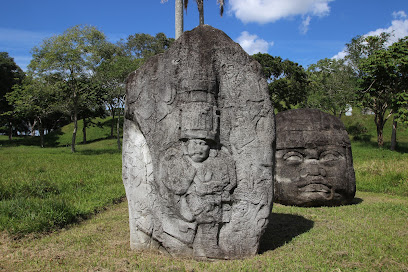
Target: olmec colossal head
<point>314,165</point>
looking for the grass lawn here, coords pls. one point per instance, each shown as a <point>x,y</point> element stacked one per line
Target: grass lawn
<point>46,193</point>
<point>370,235</point>
<point>43,189</point>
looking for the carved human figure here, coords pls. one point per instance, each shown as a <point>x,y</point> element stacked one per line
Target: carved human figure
<point>201,180</point>
<point>313,160</point>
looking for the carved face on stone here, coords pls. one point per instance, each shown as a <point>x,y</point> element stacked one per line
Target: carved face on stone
<point>313,160</point>
<point>198,150</point>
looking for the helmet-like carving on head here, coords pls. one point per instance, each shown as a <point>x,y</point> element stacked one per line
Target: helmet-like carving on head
<point>198,120</point>
<point>199,116</point>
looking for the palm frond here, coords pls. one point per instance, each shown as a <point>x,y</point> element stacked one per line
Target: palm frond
<point>185,5</point>
<point>221,3</point>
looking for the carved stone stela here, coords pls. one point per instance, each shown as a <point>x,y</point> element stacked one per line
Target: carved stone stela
<point>314,165</point>
<point>198,149</point>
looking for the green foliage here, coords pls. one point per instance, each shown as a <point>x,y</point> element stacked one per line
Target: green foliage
<point>382,75</point>
<point>399,53</point>
<point>358,131</point>
<point>360,47</point>
<point>287,81</point>
<point>332,86</point>
<point>77,74</point>
<point>37,99</point>
<point>72,59</point>
<point>144,46</point>
<point>10,75</point>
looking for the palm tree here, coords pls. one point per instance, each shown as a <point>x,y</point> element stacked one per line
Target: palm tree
<point>179,21</point>
<point>200,5</point>
<point>221,3</point>
<point>179,18</point>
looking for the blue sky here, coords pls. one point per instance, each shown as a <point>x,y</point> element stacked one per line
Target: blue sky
<point>303,31</point>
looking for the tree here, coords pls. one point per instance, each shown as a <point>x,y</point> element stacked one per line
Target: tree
<point>287,81</point>
<point>110,77</point>
<point>399,54</point>
<point>200,6</point>
<point>383,82</point>
<point>10,75</point>
<point>179,20</point>
<point>72,56</point>
<point>142,45</point>
<point>332,86</point>
<point>361,47</point>
<point>179,16</point>
<point>36,98</point>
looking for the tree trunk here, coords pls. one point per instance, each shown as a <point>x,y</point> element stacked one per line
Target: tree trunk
<point>10,131</point>
<point>200,4</point>
<point>113,121</point>
<point>379,121</point>
<point>41,131</point>
<point>179,22</point>
<point>117,131</point>
<point>394,135</point>
<point>84,131</point>
<point>32,128</point>
<point>75,119</point>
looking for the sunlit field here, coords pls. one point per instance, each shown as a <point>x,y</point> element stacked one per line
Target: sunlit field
<point>67,212</point>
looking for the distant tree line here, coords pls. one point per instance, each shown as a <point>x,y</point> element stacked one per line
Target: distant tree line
<point>373,76</point>
<point>79,75</point>
<point>73,76</point>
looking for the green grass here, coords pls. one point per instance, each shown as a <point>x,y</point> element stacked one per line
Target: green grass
<point>370,136</point>
<point>380,170</point>
<point>43,189</point>
<point>369,235</point>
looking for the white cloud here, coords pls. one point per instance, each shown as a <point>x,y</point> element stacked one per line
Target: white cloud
<point>304,27</point>
<point>398,29</point>
<point>267,11</point>
<point>399,14</point>
<point>340,55</point>
<point>252,44</point>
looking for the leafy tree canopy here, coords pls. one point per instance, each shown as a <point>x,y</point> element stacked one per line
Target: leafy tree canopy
<point>383,81</point>
<point>287,81</point>
<point>72,57</point>
<point>10,75</point>
<point>332,86</point>
<point>142,45</point>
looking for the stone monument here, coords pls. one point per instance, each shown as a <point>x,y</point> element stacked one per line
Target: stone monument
<point>314,165</point>
<point>198,149</point>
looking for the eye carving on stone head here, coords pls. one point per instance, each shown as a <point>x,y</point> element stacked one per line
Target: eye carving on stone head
<point>293,157</point>
<point>330,156</point>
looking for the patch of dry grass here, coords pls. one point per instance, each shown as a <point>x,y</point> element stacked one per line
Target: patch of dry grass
<point>370,235</point>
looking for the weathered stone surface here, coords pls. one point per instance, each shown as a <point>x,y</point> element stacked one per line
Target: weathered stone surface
<point>198,149</point>
<point>314,165</point>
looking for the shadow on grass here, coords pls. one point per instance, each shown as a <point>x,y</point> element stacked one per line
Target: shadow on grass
<point>99,151</point>
<point>282,229</point>
<point>356,201</point>
<point>107,137</point>
<point>50,140</point>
